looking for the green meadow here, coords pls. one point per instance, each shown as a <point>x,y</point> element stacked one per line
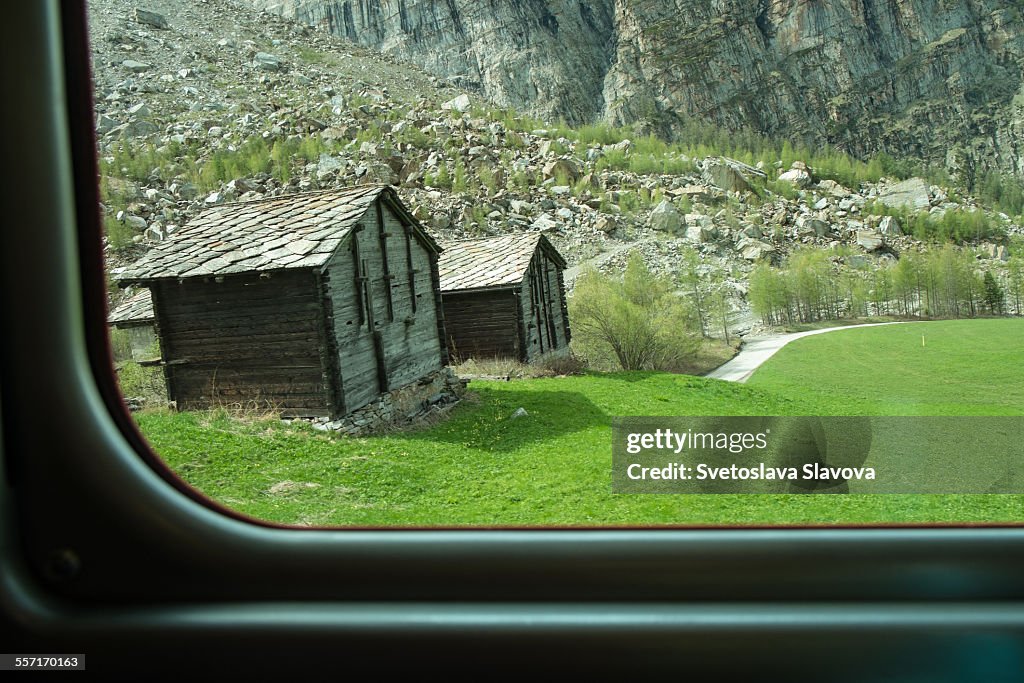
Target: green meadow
<point>949,367</point>
<point>553,467</point>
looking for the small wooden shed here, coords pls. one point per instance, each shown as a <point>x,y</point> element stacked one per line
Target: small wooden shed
<point>135,317</point>
<point>504,297</point>
<point>312,304</point>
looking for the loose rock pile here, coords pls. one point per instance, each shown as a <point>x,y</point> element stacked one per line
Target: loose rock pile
<point>416,403</point>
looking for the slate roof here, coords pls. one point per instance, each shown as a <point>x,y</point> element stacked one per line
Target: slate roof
<point>492,262</point>
<point>291,231</point>
<point>137,310</point>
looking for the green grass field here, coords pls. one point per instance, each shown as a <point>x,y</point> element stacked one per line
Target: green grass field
<point>554,466</point>
<point>963,367</point>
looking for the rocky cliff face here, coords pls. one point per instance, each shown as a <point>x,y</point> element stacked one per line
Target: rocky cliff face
<point>549,57</point>
<point>938,80</point>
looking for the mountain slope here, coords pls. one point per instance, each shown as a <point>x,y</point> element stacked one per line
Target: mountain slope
<point>936,80</point>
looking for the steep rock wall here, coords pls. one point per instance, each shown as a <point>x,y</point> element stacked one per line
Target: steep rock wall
<point>534,55</point>
<point>938,80</point>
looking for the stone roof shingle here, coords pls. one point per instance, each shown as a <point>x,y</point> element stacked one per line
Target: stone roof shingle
<point>290,231</point>
<point>492,262</point>
<point>137,310</point>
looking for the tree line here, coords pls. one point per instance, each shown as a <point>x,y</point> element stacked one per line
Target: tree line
<point>941,282</point>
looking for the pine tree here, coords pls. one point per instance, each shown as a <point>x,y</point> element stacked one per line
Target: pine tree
<point>995,298</point>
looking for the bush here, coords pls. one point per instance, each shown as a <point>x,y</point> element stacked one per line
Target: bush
<point>548,365</point>
<point>637,322</point>
<point>146,383</point>
<point>558,364</point>
<point>119,235</point>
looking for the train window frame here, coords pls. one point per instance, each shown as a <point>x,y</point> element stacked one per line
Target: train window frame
<point>102,547</point>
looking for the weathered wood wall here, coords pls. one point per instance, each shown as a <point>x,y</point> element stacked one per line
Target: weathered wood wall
<point>383,308</point>
<point>247,340</point>
<point>543,308</point>
<point>482,324</point>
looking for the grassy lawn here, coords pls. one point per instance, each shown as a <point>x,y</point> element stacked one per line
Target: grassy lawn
<point>963,367</point>
<point>553,466</point>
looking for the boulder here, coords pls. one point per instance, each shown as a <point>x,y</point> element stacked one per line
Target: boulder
<point>134,66</point>
<point>561,167</point>
<point>623,146</point>
<point>889,226</point>
<point>137,223</point>
<point>105,124</point>
<point>911,194</point>
<point>994,251</point>
<point>545,223</point>
<point>754,250</point>
<point>700,233</point>
<point>267,62</point>
<point>521,207</point>
<point>729,174</point>
<point>797,177</point>
<point>328,165</point>
<point>379,172</point>
<point>240,186</point>
<point>667,218</point>
<point>606,224</point>
<point>808,225</point>
<point>695,193</point>
<point>870,240</point>
<point>833,188</point>
<point>459,104</point>
<point>148,18</point>
<point>752,230</point>
<point>155,233</point>
<point>137,129</point>
<point>185,191</point>
<point>140,110</point>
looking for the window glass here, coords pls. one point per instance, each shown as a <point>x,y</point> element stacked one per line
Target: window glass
<point>362,288</point>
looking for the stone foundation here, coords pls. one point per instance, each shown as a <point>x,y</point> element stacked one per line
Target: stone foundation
<point>417,403</point>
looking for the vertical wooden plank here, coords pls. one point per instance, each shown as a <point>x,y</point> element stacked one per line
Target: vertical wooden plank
<point>563,306</point>
<point>382,236</point>
<point>535,299</point>
<point>335,392</point>
<point>435,282</point>
<point>409,266</point>
<point>549,302</point>
<point>383,379</point>
<point>360,283</point>
<point>161,330</point>
<point>521,337</point>
<point>540,272</point>
<point>364,280</point>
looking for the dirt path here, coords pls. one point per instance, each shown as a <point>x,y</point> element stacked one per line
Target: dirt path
<point>757,350</point>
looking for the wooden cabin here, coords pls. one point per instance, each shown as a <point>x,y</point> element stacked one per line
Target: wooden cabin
<point>504,297</point>
<point>311,304</point>
<point>135,317</point>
